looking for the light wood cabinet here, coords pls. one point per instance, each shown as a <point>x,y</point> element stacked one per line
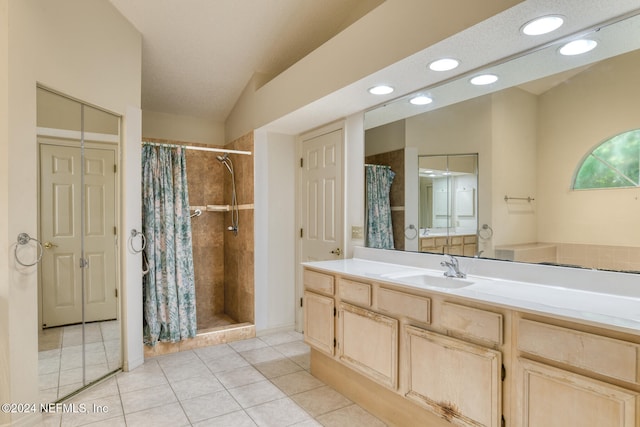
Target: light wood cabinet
<point>467,363</point>
<point>459,381</point>
<point>464,244</point>
<point>319,324</point>
<point>369,343</point>
<point>553,397</point>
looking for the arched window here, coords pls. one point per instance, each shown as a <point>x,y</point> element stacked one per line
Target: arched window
<point>613,164</point>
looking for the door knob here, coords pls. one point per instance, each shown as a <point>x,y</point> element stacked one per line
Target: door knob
<point>49,245</point>
<point>337,251</point>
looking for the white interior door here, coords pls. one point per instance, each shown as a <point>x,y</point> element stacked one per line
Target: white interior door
<point>321,210</point>
<point>322,197</point>
<point>60,217</point>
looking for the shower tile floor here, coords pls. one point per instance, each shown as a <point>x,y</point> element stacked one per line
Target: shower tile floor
<point>262,381</point>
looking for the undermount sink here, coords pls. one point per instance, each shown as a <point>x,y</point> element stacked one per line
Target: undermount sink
<point>427,279</point>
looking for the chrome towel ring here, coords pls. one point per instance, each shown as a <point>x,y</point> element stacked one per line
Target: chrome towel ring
<point>23,239</point>
<point>415,232</point>
<point>143,241</point>
<point>486,232</point>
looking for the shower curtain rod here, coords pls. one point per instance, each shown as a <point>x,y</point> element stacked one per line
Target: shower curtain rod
<point>192,147</point>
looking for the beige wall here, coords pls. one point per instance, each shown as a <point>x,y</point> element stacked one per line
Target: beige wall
<point>86,50</point>
<point>514,117</point>
<point>574,118</point>
<point>5,367</point>
<point>358,51</point>
<point>383,139</point>
<point>441,132</point>
<point>181,128</point>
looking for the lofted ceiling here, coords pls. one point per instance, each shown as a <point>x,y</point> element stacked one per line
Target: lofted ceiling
<point>198,55</point>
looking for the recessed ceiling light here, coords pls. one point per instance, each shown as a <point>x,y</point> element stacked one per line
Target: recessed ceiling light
<point>421,100</point>
<point>484,79</point>
<point>542,25</point>
<point>578,47</point>
<point>381,90</point>
<point>444,64</point>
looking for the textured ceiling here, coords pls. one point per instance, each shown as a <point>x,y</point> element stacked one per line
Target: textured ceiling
<point>198,55</point>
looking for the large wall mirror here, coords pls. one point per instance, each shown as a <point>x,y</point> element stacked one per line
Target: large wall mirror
<point>532,130</point>
<point>79,315</point>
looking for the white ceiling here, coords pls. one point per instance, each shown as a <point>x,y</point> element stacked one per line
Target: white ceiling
<point>198,55</point>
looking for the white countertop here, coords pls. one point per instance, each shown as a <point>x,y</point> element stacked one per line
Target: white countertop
<point>604,309</point>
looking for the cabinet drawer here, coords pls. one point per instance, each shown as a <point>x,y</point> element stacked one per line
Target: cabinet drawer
<point>440,241</point>
<point>473,323</point>
<point>456,240</point>
<point>355,292</point>
<point>413,306</point>
<point>470,239</point>
<point>318,282</point>
<point>606,356</point>
<point>428,242</point>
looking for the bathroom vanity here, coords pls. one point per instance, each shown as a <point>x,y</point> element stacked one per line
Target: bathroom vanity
<point>496,348</point>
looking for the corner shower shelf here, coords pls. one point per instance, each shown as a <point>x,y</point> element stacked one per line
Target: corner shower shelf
<point>211,208</point>
<point>218,208</point>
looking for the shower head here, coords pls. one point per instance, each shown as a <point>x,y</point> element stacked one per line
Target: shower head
<point>225,160</point>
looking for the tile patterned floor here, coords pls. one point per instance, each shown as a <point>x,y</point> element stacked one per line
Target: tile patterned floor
<point>262,381</point>
<point>61,357</point>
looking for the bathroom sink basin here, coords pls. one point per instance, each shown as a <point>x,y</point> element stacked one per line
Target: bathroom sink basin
<point>427,279</point>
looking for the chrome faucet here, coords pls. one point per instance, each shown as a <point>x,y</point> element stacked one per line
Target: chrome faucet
<point>453,268</point>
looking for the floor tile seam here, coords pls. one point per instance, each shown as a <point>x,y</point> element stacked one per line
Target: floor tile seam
<point>159,405</point>
<point>275,400</point>
<point>243,385</point>
<point>213,358</point>
<point>120,393</point>
<point>93,422</point>
<point>304,391</point>
<point>186,415</point>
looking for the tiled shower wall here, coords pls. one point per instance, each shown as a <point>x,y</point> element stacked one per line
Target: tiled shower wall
<point>209,183</point>
<point>238,250</point>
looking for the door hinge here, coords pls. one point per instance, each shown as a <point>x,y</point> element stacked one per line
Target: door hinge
<point>115,168</point>
<point>503,422</point>
<point>301,233</point>
<point>116,292</point>
<point>301,302</point>
<point>115,231</point>
<point>504,372</point>
<point>335,343</point>
<point>335,312</point>
<point>301,162</point>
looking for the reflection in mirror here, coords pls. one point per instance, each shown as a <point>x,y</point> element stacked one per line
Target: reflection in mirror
<point>448,213</point>
<point>532,135</point>
<point>79,340</point>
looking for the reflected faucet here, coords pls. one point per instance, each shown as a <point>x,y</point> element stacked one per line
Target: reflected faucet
<point>453,268</point>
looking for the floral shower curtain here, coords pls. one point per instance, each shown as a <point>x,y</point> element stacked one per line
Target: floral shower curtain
<point>169,287</point>
<point>379,228</point>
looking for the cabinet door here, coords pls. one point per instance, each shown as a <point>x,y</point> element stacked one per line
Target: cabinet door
<point>369,343</point>
<point>458,381</point>
<point>553,397</point>
<point>319,322</point>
